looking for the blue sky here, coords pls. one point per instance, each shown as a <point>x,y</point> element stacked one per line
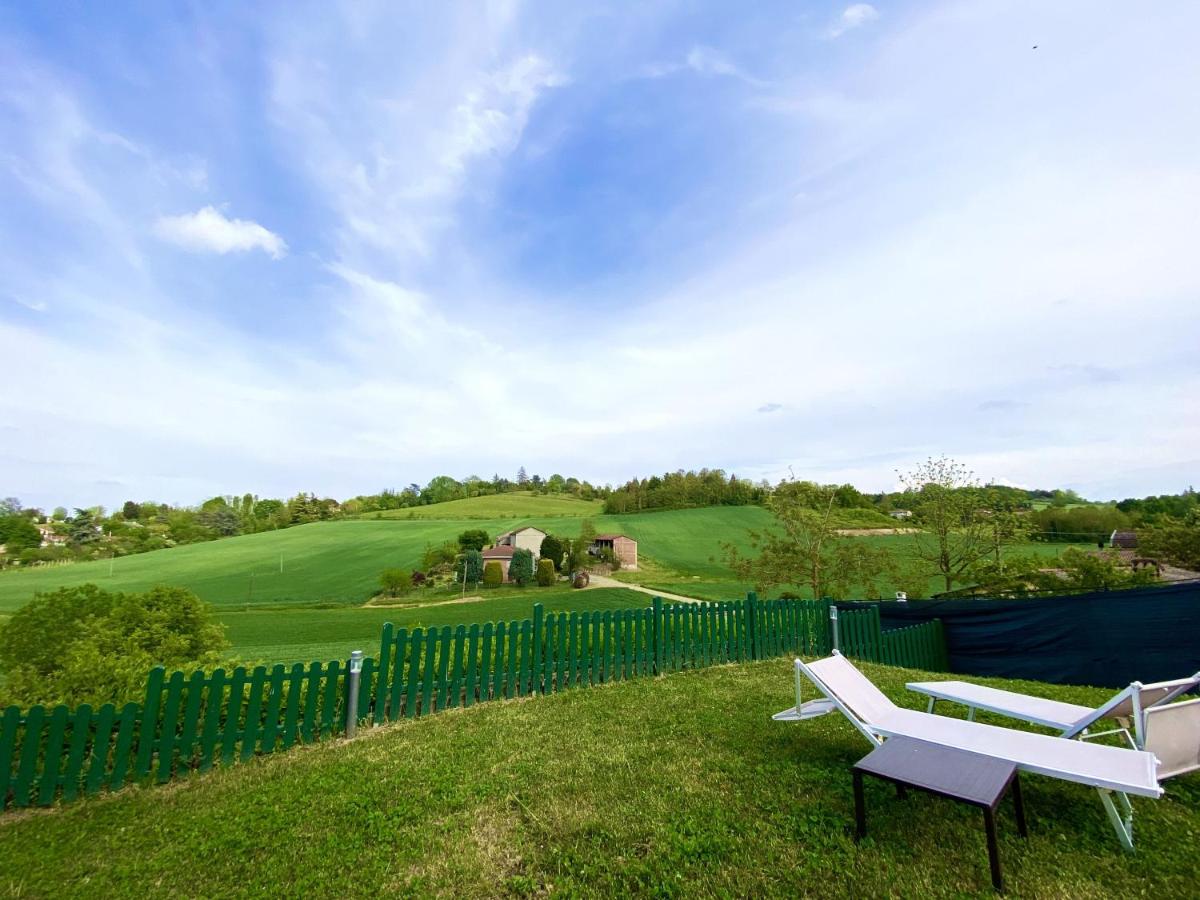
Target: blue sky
<point>345,246</point>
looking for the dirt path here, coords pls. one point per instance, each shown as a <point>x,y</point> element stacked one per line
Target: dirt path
<point>604,581</point>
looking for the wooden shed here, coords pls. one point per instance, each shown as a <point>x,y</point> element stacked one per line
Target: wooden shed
<point>623,548</point>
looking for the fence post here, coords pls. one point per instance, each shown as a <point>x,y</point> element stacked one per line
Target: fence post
<point>833,626</point>
<point>535,676</point>
<point>658,635</point>
<point>752,624</point>
<point>352,677</point>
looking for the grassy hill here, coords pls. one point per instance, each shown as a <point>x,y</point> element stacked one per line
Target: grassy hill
<point>519,505</point>
<point>679,786</point>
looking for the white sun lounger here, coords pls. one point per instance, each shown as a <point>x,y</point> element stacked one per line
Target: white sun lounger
<point>1128,708</point>
<point>1111,770</point>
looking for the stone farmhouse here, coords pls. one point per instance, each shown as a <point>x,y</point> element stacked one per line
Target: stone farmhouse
<point>527,538</point>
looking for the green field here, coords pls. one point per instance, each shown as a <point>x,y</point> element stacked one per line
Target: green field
<point>297,633</point>
<point>517,505</point>
<point>679,786</point>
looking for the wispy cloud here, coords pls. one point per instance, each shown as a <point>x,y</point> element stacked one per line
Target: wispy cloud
<point>854,16</point>
<point>770,408</point>
<point>208,231</point>
<point>701,60</point>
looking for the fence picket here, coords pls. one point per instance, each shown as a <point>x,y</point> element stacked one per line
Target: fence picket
<point>212,719</point>
<point>149,722</point>
<point>416,643</point>
<point>270,732</point>
<point>388,708</point>
<point>231,729</point>
<point>472,658</point>
<point>383,686</point>
<point>329,699</point>
<point>291,732</point>
<point>8,745</point>
<point>442,688</point>
<point>191,719</point>
<point>123,755</point>
<point>52,754</point>
<point>254,705</point>
<point>168,734</point>
<point>98,762</point>
<point>485,663</point>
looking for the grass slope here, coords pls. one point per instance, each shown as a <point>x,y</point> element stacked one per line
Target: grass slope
<point>679,786</point>
<point>295,634</point>
<point>519,505</point>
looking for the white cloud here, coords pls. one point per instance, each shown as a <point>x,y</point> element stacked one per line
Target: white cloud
<point>208,231</point>
<point>703,61</point>
<point>853,16</point>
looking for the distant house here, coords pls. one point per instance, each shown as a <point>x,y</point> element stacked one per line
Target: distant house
<point>623,548</point>
<point>502,555</point>
<point>49,536</point>
<point>901,513</point>
<point>1123,540</point>
<point>527,538</point>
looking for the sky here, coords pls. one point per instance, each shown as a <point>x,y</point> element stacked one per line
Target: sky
<point>339,247</point>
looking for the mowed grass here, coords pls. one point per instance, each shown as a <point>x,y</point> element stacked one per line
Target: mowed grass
<point>517,505</point>
<point>305,634</point>
<point>672,787</point>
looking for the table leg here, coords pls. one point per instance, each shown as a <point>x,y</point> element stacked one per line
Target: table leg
<point>860,808</point>
<point>1019,805</point>
<point>989,823</point>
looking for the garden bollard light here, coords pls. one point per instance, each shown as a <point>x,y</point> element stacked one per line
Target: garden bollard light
<point>356,663</point>
<point>833,624</point>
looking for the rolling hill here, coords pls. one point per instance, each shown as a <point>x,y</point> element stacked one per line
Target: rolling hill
<point>519,504</point>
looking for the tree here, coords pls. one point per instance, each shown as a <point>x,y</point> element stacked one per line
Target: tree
<point>553,549</point>
<point>520,569</point>
<point>472,562</point>
<point>945,496</point>
<point>17,534</point>
<point>493,574</point>
<point>474,539</point>
<point>522,478</point>
<point>82,528</point>
<point>130,511</point>
<point>1172,542</point>
<point>545,573</point>
<point>805,549</point>
<point>86,645</point>
<point>395,582</point>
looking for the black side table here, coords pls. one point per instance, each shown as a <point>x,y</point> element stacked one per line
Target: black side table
<point>947,772</point>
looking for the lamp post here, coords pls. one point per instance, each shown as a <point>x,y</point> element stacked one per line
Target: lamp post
<point>356,664</point>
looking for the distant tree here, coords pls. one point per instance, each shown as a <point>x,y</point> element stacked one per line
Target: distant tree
<point>553,549</point>
<point>85,645</point>
<point>221,518</point>
<point>946,498</point>
<point>395,582</point>
<point>546,575</point>
<point>474,539</point>
<point>131,511</point>
<point>522,478</point>
<point>10,506</point>
<point>493,574</point>
<point>804,548</point>
<point>18,534</point>
<point>587,531</point>
<point>472,561</point>
<point>82,528</point>
<point>59,514</point>
<point>520,569</point>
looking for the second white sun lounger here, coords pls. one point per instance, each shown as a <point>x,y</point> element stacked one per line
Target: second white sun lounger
<point>1128,707</point>
<point>1111,770</point>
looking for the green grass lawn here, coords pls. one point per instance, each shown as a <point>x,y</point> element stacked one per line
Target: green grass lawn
<point>306,634</point>
<point>677,786</point>
<point>517,505</point>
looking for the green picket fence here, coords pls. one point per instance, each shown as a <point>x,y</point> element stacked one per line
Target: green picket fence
<point>920,646</point>
<point>194,722</point>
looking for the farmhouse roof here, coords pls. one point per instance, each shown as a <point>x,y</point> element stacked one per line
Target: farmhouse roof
<point>498,552</point>
<point>519,530</point>
<point>613,537</point>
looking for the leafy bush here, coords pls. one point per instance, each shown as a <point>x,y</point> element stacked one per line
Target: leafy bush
<point>553,549</point>
<point>419,578</point>
<point>473,561</point>
<point>433,556</point>
<point>1175,543</point>
<point>396,582</point>
<point>520,569</point>
<point>545,573</point>
<point>473,539</point>
<point>86,645</point>
<point>493,574</point>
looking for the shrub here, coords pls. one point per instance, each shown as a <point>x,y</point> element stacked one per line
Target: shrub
<point>435,556</point>
<point>396,582</point>
<point>545,573</point>
<point>418,579</point>
<point>473,561</point>
<point>520,569</point>
<point>473,539</point>
<point>86,645</point>
<point>553,549</point>
<point>1174,543</point>
<point>493,574</point>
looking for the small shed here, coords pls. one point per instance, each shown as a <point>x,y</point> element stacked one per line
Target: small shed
<point>1123,540</point>
<point>622,546</point>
